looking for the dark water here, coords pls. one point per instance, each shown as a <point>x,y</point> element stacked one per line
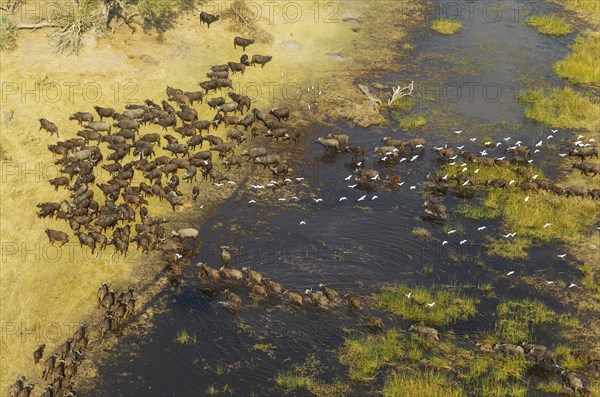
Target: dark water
<point>352,246</point>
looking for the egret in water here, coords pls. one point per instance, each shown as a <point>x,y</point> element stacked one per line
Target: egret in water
<point>413,187</point>
<point>510,273</point>
<point>343,198</point>
<point>473,139</point>
<point>554,131</point>
<point>549,137</point>
<point>444,242</point>
<point>498,144</point>
<point>400,183</point>
<point>482,228</point>
<point>462,242</point>
<point>348,177</point>
<point>318,200</point>
<point>460,147</point>
<point>432,304</point>
<point>572,285</point>
<point>359,163</point>
<point>536,151</point>
<point>507,139</point>
<point>454,157</point>
<point>376,177</point>
<point>353,186</point>
<point>452,231</point>
<point>302,223</point>
<point>361,198</point>
<point>178,256</point>
<point>538,144</point>
<point>299,179</point>
<point>546,225</point>
<point>518,143</point>
<point>530,161</point>
<point>374,197</point>
<point>561,255</point>
<point>484,152</point>
<point>402,159</point>
<point>418,146</point>
<point>416,156</point>
<point>251,201</point>
<point>562,154</point>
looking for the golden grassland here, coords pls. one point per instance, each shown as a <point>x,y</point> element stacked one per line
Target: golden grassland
<point>48,285</point>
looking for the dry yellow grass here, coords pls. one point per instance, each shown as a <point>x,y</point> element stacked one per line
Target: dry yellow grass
<point>44,291</point>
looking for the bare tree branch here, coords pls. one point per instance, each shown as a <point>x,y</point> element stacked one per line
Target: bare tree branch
<point>398,92</point>
<point>35,26</point>
<point>375,102</point>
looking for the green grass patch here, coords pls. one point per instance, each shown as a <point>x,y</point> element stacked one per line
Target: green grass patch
<point>8,34</point>
<point>513,249</point>
<point>589,279</point>
<point>460,370</point>
<point>549,24</point>
<point>304,376</point>
<point>366,356</point>
<point>567,320</point>
<point>585,5</point>
<point>405,103</point>
<point>561,108</point>
<point>450,304</point>
<point>184,338</point>
<point>551,386</point>
<point>423,384</point>
<point>517,319</point>
<point>421,232</point>
<point>581,66</point>
<point>446,26</point>
<point>567,359</point>
<point>495,375</point>
<point>478,212</point>
<point>408,47</point>
<point>412,121</point>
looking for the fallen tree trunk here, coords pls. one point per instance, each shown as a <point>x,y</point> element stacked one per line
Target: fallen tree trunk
<point>37,25</point>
